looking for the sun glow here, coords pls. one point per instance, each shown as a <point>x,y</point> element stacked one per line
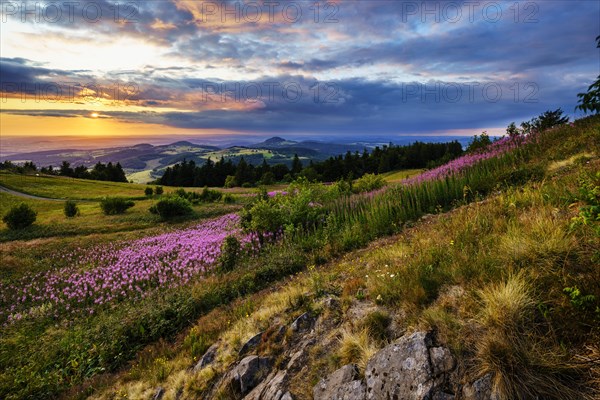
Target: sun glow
<point>94,115</point>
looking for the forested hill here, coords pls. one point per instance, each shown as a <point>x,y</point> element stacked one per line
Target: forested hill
<point>351,165</point>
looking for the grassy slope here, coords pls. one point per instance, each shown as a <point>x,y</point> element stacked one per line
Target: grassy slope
<point>519,238</point>
<point>488,277</point>
<point>165,363</point>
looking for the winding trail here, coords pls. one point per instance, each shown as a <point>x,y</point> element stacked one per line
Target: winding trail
<point>25,195</point>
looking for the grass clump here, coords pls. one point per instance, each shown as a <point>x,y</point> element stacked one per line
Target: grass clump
<point>376,324</point>
<point>20,217</point>
<point>115,205</point>
<point>356,347</point>
<point>524,362</point>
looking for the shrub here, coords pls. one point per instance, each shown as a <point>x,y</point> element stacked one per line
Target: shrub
<point>209,195</point>
<point>230,251</point>
<point>230,181</point>
<point>148,191</point>
<point>228,198</point>
<point>171,207</point>
<point>19,217</point>
<point>368,183</point>
<point>71,209</point>
<point>115,205</point>
<point>158,190</point>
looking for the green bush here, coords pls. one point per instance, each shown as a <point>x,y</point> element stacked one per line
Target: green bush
<point>210,196</point>
<point>148,191</point>
<point>171,207</point>
<point>71,209</point>
<point>230,252</point>
<point>158,190</point>
<point>19,217</point>
<point>115,205</point>
<point>228,198</point>
<point>368,183</point>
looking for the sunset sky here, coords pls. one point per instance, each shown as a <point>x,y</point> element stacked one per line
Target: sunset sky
<point>328,69</point>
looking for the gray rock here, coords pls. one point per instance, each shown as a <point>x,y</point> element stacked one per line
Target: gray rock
<point>343,384</point>
<point>248,373</point>
<point>274,387</point>
<point>303,323</point>
<point>207,358</point>
<point>287,396</point>
<point>441,360</point>
<point>481,389</point>
<point>331,303</point>
<point>297,359</point>
<point>405,370</point>
<point>160,392</point>
<point>252,343</point>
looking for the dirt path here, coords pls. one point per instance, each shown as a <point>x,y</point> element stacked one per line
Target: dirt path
<point>25,195</point>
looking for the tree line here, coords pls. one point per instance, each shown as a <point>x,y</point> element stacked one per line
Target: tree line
<point>100,172</point>
<point>224,173</point>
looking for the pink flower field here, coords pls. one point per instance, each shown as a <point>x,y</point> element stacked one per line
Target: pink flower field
<point>110,273</point>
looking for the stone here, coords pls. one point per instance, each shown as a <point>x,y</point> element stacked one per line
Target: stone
<point>287,396</point>
<point>207,358</point>
<point>297,360</point>
<point>303,323</point>
<point>343,384</point>
<point>405,369</point>
<point>160,392</point>
<point>441,360</point>
<point>331,303</point>
<point>481,389</point>
<point>248,373</point>
<point>252,343</point>
<point>274,387</point>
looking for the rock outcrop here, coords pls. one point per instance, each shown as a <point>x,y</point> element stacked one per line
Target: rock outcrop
<point>343,384</point>
<point>412,368</point>
<point>248,373</point>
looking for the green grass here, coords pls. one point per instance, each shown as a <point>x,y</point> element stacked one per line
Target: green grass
<point>69,188</point>
<point>398,176</point>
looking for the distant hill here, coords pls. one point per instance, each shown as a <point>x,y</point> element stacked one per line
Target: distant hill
<point>144,162</point>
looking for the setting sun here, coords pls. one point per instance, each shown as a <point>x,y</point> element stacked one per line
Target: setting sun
<point>94,115</point>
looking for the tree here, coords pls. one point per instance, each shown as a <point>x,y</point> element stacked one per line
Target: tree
<point>479,143</point>
<point>65,169</point>
<point>296,165</point>
<point>19,217</point>
<point>512,130</point>
<point>546,120</point>
<point>590,101</point>
<point>70,209</point>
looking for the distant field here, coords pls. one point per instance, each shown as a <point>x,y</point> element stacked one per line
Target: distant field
<point>69,188</point>
<point>397,176</point>
<point>59,187</point>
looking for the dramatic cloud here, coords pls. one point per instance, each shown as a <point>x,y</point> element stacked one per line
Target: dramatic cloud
<point>359,67</point>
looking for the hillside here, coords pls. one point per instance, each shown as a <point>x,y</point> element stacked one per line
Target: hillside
<point>481,289</point>
<point>468,270</point>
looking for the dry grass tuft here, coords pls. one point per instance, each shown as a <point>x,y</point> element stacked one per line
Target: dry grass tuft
<point>525,364</point>
<point>356,347</point>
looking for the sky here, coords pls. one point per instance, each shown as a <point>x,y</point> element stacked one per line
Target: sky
<point>326,69</point>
